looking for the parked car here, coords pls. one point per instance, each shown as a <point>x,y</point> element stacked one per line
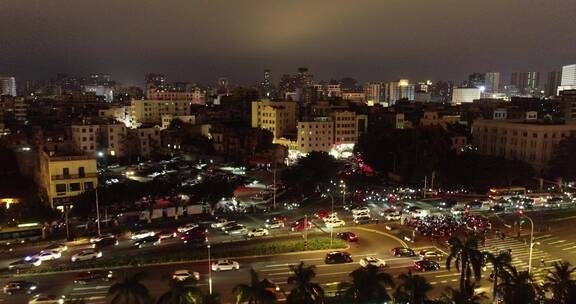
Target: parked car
<point>147,241</point>
<point>19,287</point>
<point>46,299</point>
<point>335,257</point>
<point>365,262</point>
<point>185,275</point>
<point>48,255</point>
<point>107,242</point>
<point>25,263</point>
<point>58,247</point>
<point>348,236</point>
<point>138,235</point>
<point>224,264</point>
<point>275,224</point>
<point>94,276</point>
<point>426,265</point>
<point>85,255</point>
<point>258,232</point>
<point>100,237</point>
<point>403,252</point>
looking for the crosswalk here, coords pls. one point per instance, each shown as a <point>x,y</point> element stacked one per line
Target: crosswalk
<point>90,293</point>
<point>521,254</point>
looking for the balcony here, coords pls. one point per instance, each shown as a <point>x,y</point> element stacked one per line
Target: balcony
<point>73,176</point>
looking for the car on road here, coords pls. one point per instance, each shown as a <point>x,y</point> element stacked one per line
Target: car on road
<point>194,238</point>
<point>225,264</point>
<point>18,287</point>
<point>403,252</point>
<point>498,208</point>
<point>25,263</point>
<point>229,225</point>
<point>361,214</point>
<point>275,224</point>
<point>94,276</point>
<point>430,255</point>
<point>281,218</point>
<point>185,275</point>
<point>335,223</point>
<point>391,215</point>
<point>331,217</point>
<point>58,247</point>
<point>426,265</point>
<point>48,255</point>
<point>474,205</point>
<point>100,237</point>
<point>358,210</point>
<point>220,223</point>
<point>147,241</point>
<point>166,234</point>
<point>138,235</point>
<point>363,220</point>
<point>300,225</point>
<point>336,257</point>
<point>348,236</point>
<point>237,230</point>
<point>85,255</point>
<point>46,299</point>
<point>321,214</point>
<point>186,227</point>
<point>107,242</point>
<point>374,261</point>
<point>258,232</point>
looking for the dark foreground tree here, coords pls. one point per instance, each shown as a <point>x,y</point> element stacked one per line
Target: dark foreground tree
<point>258,292</point>
<point>368,285</point>
<point>129,291</point>
<point>412,289</point>
<point>467,259</point>
<point>560,282</point>
<point>304,291</point>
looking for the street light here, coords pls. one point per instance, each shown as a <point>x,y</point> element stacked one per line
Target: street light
<point>209,271</point>
<point>331,226</point>
<point>531,243</point>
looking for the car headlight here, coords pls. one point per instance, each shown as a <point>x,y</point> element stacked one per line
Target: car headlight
<point>33,287</point>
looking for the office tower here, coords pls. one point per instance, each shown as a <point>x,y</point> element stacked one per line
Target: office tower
<point>400,89</point>
<point>476,80</point>
<point>492,82</point>
<point>8,86</point>
<point>155,81</point>
<point>526,82</point>
<point>465,95</point>
<point>266,85</point>
<point>552,83</point>
<point>303,78</point>
<point>373,91</point>
<point>568,79</point>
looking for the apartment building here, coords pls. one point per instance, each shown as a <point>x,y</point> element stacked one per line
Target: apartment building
<point>315,135</point>
<point>279,117</point>
<point>151,111</point>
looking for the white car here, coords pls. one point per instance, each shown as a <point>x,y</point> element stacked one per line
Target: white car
<point>335,223</point>
<point>360,210</point>
<point>48,255</point>
<point>138,235</point>
<point>258,232</point>
<point>98,238</point>
<point>274,224</point>
<point>391,215</point>
<point>186,227</point>
<point>184,275</point>
<point>430,255</point>
<point>361,214</point>
<point>46,299</point>
<point>85,255</point>
<point>237,230</point>
<point>56,247</point>
<point>364,262</point>
<point>225,265</point>
<point>220,223</point>
<point>331,217</point>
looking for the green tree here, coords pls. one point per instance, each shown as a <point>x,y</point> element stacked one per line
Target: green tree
<point>501,264</point>
<point>465,295</point>
<point>314,169</point>
<point>181,293</point>
<point>560,282</point>
<point>412,289</point>
<point>563,164</point>
<point>258,292</point>
<point>129,291</point>
<point>305,291</point>
<point>467,259</point>
<point>368,285</point>
<point>518,287</point>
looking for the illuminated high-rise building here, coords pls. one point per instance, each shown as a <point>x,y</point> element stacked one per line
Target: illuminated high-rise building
<point>492,82</point>
<point>8,86</point>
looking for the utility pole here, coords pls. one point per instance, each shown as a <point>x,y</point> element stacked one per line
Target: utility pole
<point>66,208</point>
<point>274,200</point>
<point>425,186</point>
<point>97,212</point>
<point>432,183</point>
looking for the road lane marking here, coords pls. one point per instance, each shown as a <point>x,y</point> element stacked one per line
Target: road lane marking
<point>91,287</point>
<point>448,275</point>
<point>557,242</point>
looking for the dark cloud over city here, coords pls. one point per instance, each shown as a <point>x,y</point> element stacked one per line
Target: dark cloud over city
<point>202,40</point>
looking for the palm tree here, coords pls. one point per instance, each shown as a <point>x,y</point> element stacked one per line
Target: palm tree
<point>368,285</point>
<point>181,293</point>
<point>501,264</point>
<point>304,291</point>
<point>560,282</point>
<point>258,292</point>
<point>129,291</point>
<point>518,287</point>
<point>467,258</point>
<point>466,295</point>
<point>413,289</point>
<point>211,299</point>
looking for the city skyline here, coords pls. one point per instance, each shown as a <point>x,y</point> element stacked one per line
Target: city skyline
<point>204,41</point>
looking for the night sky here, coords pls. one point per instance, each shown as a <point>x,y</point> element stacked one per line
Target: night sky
<point>201,40</point>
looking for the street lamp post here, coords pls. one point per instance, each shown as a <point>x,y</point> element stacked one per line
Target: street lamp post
<point>209,271</point>
<point>331,226</point>
<point>531,243</point>
<point>343,193</point>
<point>97,212</point>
